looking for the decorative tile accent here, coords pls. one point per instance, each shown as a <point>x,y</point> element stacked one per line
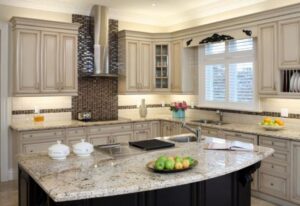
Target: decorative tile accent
<point>98,95</point>
<point>113,46</point>
<point>61,110</point>
<point>85,44</point>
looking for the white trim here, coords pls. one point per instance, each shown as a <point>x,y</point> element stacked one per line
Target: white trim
<point>4,100</point>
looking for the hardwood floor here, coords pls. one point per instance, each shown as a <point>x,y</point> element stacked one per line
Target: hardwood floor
<point>9,196</point>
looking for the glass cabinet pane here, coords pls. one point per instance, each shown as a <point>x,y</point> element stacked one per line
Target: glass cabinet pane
<point>161,66</point>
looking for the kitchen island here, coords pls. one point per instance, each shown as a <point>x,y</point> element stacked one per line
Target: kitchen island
<point>220,178</point>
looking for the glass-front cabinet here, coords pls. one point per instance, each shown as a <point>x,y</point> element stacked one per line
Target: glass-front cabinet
<point>162,71</point>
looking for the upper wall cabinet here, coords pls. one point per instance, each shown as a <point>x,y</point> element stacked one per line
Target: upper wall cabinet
<point>267,58</point>
<point>135,57</point>
<point>153,63</point>
<point>182,68</point>
<point>289,43</point>
<point>44,57</point>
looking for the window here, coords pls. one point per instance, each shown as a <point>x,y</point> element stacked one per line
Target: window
<point>227,75</point>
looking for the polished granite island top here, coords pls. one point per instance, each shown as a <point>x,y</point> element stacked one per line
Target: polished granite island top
<point>101,175</point>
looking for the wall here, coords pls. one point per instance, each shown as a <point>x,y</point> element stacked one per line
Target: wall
<point>6,12</point>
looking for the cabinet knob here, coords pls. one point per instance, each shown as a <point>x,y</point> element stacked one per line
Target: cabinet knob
<point>272,184</point>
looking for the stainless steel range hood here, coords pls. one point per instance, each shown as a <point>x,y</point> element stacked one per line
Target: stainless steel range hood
<point>101,45</point>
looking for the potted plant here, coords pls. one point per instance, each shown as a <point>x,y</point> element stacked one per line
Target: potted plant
<point>178,109</point>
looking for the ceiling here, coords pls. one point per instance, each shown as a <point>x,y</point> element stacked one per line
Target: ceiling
<point>165,13</point>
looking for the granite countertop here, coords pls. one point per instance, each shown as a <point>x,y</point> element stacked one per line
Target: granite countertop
<point>291,133</point>
<point>100,175</point>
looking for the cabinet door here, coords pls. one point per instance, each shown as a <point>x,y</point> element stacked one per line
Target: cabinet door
<point>155,129</point>
<point>142,134</point>
<point>68,75</point>
<point>50,62</point>
<point>27,62</point>
<point>145,66</point>
<point>295,176</point>
<point>176,57</point>
<point>267,58</point>
<point>166,129</point>
<point>175,128</point>
<point>289,42</point>
<point>132,64</point>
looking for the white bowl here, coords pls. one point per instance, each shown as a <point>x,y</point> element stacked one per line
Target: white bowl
<point>58,151</point>
<point>83,149</point>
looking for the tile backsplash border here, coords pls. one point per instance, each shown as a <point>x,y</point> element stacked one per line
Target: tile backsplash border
<point>124,107</point>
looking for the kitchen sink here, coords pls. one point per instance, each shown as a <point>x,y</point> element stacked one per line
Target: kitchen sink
<point>206,121</point>
<point>189,138</point>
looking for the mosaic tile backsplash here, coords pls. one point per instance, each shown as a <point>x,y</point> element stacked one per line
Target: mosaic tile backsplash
<point>98,95</point>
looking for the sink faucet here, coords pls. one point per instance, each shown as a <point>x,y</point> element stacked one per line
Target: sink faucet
<point>196,131</point>
<point>220,113</point>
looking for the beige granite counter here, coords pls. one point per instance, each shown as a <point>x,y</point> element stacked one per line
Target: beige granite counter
<point>100,175</point>
<point>291,133</point>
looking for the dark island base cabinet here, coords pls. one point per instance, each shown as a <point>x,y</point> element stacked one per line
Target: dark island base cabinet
<point>233,189</point>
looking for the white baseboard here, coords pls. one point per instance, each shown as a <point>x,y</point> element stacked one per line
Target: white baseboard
<point>272,199</point>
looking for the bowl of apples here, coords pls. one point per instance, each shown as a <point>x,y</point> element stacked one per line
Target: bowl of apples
<point>272,124</point>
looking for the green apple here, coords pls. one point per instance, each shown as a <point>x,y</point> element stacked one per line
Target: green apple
<point>169,164</point>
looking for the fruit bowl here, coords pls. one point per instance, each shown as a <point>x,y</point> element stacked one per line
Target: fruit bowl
<point>152,165</point>
<point>271,127</point>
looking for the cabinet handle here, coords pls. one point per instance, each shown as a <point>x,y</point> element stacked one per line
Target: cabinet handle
<point>272,184</point>
<point>61,85</point>
<point>238,135</point>
<point>275,86</point>
<point>272,166</point>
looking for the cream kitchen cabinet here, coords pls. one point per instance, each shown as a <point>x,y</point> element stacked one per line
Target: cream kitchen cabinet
<point>155,129</point>
<point>142,131</point>
<point>170,128</point>
<point>182,68</point>
<point>267,59</point>
<point>211,132</point>
<point>44,57</point>
<point>135,65</point>
<point>274,174</point>
<point>295,172</point>
<point>289,43</point>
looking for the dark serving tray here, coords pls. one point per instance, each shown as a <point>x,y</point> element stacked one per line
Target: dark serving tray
<point>151,144</point>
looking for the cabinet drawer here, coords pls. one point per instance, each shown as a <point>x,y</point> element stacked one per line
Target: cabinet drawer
<point>37,147</point>
<point>273,185</point>
<point>273,168</point>
<point>75,132</point>
<point>139,126</point>
<point>142,134</point>
<point>38,135</point>
<point>99,139</point>
<point>242,137</point>
<point>73,140</point>
<point>109,128</point>
<point>280,157</point>
<point>274,143</point>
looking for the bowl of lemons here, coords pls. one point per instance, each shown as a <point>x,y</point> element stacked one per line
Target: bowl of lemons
<point>272,124</point>
<point>171,164</point>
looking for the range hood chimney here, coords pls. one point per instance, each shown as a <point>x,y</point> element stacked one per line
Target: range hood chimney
<point>101,45</point>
